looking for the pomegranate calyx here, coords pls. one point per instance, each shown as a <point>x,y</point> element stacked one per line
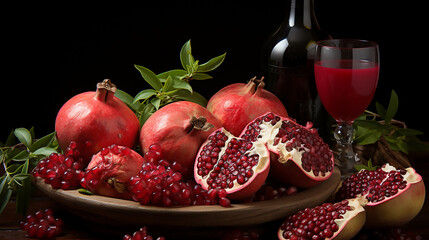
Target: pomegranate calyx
<point>199,123</point>
<point>255,85</point>
<point>105,90</point>
<point>119,186</point>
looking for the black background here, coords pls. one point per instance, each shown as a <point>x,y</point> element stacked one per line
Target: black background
<point>53,52</point>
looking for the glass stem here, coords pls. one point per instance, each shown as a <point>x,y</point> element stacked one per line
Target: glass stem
<point>344,134</point>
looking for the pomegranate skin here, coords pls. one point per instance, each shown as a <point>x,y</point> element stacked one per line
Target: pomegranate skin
<point>237,104</point>
<point>95,120</point>
<point>110,170</point>
<point>179,129</point>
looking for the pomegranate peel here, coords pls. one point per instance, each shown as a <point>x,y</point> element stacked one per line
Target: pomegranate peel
<point>234,164</point>
<point>110,170</point>
<point>341,220</point>
<point>394,196</point>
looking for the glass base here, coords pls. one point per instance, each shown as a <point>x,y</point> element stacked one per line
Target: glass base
<point>346,158</point>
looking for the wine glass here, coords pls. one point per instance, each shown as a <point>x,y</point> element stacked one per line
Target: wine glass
<point>346,73</point>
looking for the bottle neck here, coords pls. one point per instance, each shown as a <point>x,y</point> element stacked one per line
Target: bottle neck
<point>301,13</point>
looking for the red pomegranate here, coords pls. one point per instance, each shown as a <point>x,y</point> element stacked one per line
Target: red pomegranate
<point>300,156</point>
<point>95,120</point>
<point>341,220</point>
<point>179,129</point>
<point>234,164</point>
<point>237,104</point>
<point>110,170</point>
<point>394,196</point>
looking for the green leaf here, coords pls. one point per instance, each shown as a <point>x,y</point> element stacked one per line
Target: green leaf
<point>380,110</point>
<point>21,156</point>
<point>85,191</point>
<point>186,58</point>
<point>150,77</point>
<point>24,136</point>
<point>409,132</point>
<point>156,103</point>
<point>23,196</point>
<point>168,84</point>
<point>180,84</point>
<point>201,76</point>
<point>5,192</point>
<point>147,93</point>
<point>175,73</point>
<point>43,142</point>
<point>212,64</point>
<point>11,139</point>
<point>192,97</point>
<point>392,108</point>
<point>127,99</point>
<point>369,137</point>
<point>147,111</point>
<point>367,124</point>
<point>368,167</point>
<point>44,151</point>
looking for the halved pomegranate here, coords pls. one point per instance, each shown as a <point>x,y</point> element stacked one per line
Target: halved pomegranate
<point>340,220</point>
<point>234,164</point>
<point>301,158</point>
<point>395,196</point>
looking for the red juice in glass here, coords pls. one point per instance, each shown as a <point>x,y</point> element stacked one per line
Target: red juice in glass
<point>346,87</point>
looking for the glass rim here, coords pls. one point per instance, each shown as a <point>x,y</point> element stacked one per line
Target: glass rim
<point>336,43</point>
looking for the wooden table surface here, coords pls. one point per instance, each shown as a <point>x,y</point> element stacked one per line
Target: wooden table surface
<point>76,228</point>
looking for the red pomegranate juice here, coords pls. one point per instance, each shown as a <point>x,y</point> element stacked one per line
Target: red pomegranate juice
<point>346,87</point>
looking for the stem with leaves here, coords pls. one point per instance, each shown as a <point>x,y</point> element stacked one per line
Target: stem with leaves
<point>170,86</point>
<point>371,127</point>
<point>17,159</point>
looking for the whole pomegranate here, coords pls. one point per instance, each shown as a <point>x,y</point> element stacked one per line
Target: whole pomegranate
<point>394,196</point>
<point>110,170</point>
<point>241,164</point>
<point>95,120</point>
<point>179,129</point>
<point>237,104</point>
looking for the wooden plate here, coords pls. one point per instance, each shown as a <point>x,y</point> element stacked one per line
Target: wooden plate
<point>101,209</point>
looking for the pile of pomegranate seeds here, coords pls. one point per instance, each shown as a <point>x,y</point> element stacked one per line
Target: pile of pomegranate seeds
<point>61,170</point>
<point>315,223</point>
<point>42,224</point>
<point>160,183</point>
<point>141,234</point>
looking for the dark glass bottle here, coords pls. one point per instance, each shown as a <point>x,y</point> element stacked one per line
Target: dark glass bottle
<point>287,61</point>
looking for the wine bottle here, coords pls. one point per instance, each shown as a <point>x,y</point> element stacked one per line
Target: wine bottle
<point>287,62</point>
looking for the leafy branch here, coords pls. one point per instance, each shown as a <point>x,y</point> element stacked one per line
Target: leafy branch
<point>18,156</point>
<point>170,86</point>
<point>371,127</point>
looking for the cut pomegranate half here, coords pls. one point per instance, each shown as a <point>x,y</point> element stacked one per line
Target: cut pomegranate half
<point>340,220</point>
<point>394,196</point>
<point>301,157</point>
<point>234,164</point>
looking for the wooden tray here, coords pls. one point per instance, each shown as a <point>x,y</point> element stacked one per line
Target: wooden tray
<point>103,210</point>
